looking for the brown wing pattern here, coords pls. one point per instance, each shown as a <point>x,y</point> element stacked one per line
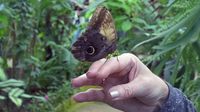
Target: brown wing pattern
<point>102,21</point>
<point>94,21</point>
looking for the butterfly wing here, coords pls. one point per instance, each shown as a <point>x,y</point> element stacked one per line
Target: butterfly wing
<point>99,38</point>
<point>102,20</point>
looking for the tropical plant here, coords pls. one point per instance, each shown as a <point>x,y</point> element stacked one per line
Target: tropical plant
<point>13,90</point>
<point>34,47</point>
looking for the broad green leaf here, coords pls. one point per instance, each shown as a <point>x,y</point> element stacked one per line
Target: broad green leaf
<point>16,92</point>
<point>16,101</point>
<point>12,83</point>
<point>14,96</point>
<point>126,25</point>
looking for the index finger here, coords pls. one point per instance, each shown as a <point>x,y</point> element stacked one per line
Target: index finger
<point>114,66</point>
<point>83,80</point>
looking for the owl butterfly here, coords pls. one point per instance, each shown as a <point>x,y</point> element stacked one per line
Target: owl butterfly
<point>98,40</point>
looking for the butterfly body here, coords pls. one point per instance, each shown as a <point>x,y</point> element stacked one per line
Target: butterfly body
<point>98,40</point>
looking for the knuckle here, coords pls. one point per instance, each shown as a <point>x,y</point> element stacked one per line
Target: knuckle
<point>146,80</point>
<point>127,91</point>
<point>100,74</point>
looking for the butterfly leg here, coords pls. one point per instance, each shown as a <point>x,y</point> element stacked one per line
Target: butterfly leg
<point>108,57</point>
<point>106,60</point>
<point>117,59</point>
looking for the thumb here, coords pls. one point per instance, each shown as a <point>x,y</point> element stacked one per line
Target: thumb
<point>125,91</point>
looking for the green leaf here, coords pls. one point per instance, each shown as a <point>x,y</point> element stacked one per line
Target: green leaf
<point>159,68</point>
<point>141,21</point>
<point>126,25</point>
<point>190,18</point>
<point>189,36</point>
<point>2,74</point>
<point>16,92</point>
<point>16,101</point>
<point>115,4</point>
<point>14,96</point>
<point>196,46</point>
<point>33,96</point>
<point>1,61</point>
<point>12,82</point>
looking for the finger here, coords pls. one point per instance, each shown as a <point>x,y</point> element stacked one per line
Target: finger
<point>92,72</point>
<point>116,65</point>
<point>83,81</point>
<point>136,88</point>
<point>90,95</point>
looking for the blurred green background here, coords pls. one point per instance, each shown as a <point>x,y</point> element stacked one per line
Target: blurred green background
<point>36,64</point>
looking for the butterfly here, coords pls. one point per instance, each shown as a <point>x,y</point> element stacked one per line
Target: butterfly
<point>98,40</point>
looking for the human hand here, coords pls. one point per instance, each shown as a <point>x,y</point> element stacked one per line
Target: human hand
<point>127,84</point>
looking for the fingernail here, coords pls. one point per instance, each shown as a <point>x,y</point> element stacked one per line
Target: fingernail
<point>114,94</point>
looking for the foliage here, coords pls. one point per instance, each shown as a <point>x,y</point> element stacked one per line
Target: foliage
<point>35,43</point>
<point>13,89</point>
<point>53,99</point>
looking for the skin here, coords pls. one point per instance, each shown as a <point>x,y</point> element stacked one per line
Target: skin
<point>126,84</point>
